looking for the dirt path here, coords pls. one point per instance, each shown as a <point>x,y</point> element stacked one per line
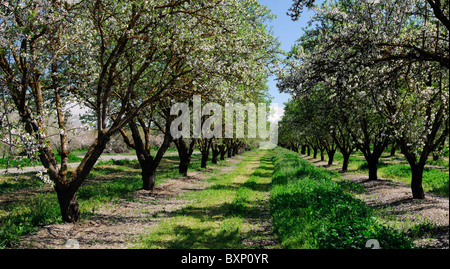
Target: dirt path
<point>261,234</point>
<point>232,213</point>
<point>396,200</point>
<point>117,225</point>
<point>256,179</point>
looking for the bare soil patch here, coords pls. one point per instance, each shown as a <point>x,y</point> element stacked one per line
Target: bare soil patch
<point>396,200</point>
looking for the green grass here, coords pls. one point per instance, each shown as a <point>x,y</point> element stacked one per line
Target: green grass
<point>15,162</point>
<point>312,211</point>
<point>27,212</point>
<point>218,216</point>
<point>364,166</point>
<point>354,161</point>
<point>338,157</point>
<point>10,183</point>
<point>439,162</point>
<point>434,180</point>
<point>131,152</point>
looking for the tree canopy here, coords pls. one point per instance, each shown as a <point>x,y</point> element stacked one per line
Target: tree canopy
<point>384,66</point>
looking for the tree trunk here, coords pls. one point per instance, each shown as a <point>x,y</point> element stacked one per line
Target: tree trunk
<point>215,154</point>
<point>322,155</point>
<point>185,153</point>
<point>148,176</point>
<point>372,168</point>
<point>303,150</point>
<point>214,158</point>
<point>223,151</point>
<point>230,149</point>
<point>205,156</point>
<point>416,181</point>
<point>205,147</point>
<point>314,153</point>
<point>66,191</point>
<point>70,211</point>
<point>184,165</point>
<point>308,151</point>
<point>147,162</point>
<point>393,148</point>
<point>346,161</point>
<point>234,149</point>
<point>331,156</point>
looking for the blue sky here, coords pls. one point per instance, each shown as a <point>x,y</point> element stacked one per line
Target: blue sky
<point>287,32</point>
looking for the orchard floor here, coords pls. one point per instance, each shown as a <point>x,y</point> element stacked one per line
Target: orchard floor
<point>114,226</point>
<point>394,200</point>
<point>122,224</point>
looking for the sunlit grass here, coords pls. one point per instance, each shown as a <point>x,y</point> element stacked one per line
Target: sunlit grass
<point>434,180</point>
<point>312,209</point>
<point>216,218</point>
<point>396,168</point>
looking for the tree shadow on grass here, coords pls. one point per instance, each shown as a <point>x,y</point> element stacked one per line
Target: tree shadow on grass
<point>254,186</point>
<point>262,174</point>
<point>186,237</point>
<point>207,234</point>
<point>218,226</point>
<point>267,168</point>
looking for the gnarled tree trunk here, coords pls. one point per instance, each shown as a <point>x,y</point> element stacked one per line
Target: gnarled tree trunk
<point>215,153</point>
<point>70,211</point>
<point>223,151</point>
<point>373,169</point>
<point>148,163</point>
<point>204,146</point>
<point>148,176</point>
<point>330,154</point>
<point>346,156</point>
<point>416,181</point>
<point>184,152</point>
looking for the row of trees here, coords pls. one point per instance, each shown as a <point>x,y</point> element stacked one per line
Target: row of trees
<point>126,61</point>
<point>367,74</point>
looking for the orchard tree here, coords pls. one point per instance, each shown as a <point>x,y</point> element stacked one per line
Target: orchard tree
<point>105,55</point>
<point>320,70</point>
<point>291,130</point>
<point>440,9</point>
<point>31,46</point>
<point>378,58</point>
<point>158,116</point>
<point>231,50</point>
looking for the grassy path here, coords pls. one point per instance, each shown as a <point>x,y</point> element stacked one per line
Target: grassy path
<point>232,213</point>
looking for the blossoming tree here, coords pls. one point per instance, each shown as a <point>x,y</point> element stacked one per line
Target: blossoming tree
<point>386,64</point>
<point>115,57</point>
